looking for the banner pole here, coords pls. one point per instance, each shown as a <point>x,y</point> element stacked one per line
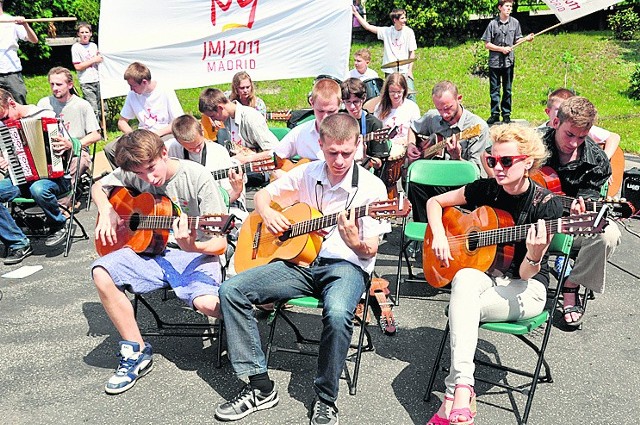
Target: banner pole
<point>523,39</point>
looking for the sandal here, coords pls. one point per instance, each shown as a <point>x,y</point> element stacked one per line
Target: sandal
<point>468,412</point>
<point>577,308</point>
<point>437,419</point>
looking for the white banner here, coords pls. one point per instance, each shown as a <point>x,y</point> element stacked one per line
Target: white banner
<point>570,10</point>
<point>197,43</point>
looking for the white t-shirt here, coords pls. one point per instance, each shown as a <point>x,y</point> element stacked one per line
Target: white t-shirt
<point>302,140</point>
<point>154,110</point>
<point>82,53</point>
<point>369,73</point>
<point>397,46</point>
<point>401,117</point>
<point>9,36</point>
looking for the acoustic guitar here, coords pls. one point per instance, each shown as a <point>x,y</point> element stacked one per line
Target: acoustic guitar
<point>301,243</point>
<point>617,172</point>
<point>548,178</point>
<point>483,239</point>
<point>147,220</point>
<point>258,166</point>
<point>279,115</point>
<point>436,149</point>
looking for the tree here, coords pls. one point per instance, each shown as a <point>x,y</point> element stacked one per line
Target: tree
<point>84,10</point>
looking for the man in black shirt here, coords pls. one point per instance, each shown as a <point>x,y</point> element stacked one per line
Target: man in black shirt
<point>583,168</point>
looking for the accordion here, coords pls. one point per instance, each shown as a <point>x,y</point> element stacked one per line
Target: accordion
<point>26,145</point>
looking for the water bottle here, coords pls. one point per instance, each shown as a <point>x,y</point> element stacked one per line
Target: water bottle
<point>558,265</point>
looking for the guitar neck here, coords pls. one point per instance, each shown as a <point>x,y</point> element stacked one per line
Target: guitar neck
<point>509,234</point>
<point>308,226</point>
<point>433,149</point>
<point>224,173</point>
<point>161,222</point>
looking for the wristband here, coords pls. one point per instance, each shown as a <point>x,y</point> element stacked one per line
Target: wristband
<point>533,263</point>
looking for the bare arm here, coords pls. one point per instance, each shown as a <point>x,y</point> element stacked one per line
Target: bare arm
<point>363,22</point>
<point>31,35</point>
<point>611,144</point>
<point>81,66</point>
<point>123,125</point>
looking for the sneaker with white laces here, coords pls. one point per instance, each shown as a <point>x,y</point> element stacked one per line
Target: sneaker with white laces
<point>323,413</point>
<point>134,364</point>
<point>247,401</point>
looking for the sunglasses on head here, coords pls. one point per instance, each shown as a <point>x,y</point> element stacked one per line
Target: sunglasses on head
<point>505,161</point>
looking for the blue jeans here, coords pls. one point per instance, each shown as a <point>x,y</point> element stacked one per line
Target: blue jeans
<point>338,283</point>
<point>45,192</point>
<point>498,77</point>
<point>10,234</point>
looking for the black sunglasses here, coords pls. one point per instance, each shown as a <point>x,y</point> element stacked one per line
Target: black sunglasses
<point>505,161</point>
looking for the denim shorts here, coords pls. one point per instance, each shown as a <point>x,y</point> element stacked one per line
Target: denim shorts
<point>189,274</point>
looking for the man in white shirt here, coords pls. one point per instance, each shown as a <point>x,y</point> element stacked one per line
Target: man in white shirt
<point>10,66</point>
<point>345,261</point>
<point>303,140</point>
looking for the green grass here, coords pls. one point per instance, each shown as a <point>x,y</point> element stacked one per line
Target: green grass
<point>605,67</point>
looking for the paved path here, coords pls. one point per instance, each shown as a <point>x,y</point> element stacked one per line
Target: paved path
<point>58,348</point>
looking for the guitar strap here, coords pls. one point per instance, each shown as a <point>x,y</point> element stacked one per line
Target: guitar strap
<point>363,123</point>
<point>533,199</point>
<point>203,154</point>
<point>354,177</point>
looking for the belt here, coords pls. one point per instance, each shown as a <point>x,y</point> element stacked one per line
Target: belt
<point>6,74</point>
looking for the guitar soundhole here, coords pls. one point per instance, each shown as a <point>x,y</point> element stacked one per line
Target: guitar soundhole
<point>134,222</point>
<point>472,241</point>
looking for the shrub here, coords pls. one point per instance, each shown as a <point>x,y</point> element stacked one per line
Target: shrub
<point>634,86</point>
<point>480,65</point>
<point>624,24</point>
<point>433,21</point>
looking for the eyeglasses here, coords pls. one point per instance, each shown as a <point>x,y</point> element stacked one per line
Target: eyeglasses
<point>357,102</point>
<point>505,161</point>
<point>396,93</point>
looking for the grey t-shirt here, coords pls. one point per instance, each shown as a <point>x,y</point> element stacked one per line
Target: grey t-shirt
<point>432,123</point>
<point>192,189</point>
<point>76,114</point>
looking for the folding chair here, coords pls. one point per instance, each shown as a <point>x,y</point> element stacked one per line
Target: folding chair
<point>524,330</point>
<point>89,177</point>
<point>315,303</point>
<point>27,209</point>
<point>213,331</point>
<point>279,132</point>
<point>431,173</point>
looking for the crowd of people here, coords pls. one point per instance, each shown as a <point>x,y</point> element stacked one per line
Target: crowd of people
<point>175,155</point>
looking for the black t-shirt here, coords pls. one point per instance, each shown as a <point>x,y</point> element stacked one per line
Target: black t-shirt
<point>488,192</point>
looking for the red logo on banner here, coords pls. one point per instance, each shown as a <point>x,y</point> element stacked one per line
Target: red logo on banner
<point>225,6</point>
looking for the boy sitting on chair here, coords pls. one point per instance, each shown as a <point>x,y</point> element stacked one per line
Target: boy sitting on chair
<point>192,269</point>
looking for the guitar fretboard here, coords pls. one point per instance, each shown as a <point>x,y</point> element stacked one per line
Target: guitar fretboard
<point>224,173</point>
<point>308,226</point>
<point>157,222</point>
<point>511,234</point>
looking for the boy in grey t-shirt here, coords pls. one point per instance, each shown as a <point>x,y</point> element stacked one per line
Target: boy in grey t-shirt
<point>192,270</point>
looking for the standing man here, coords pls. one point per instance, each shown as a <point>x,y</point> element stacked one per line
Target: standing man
<point>154,106</point>
<point>501,35</point>
<point>10,66</point>
<point>338,276</point>
<point>399,44</point>
<point>447,120</point>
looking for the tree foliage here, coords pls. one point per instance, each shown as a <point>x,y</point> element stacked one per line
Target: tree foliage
<point>84,10</point>
<point>433,21</point>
